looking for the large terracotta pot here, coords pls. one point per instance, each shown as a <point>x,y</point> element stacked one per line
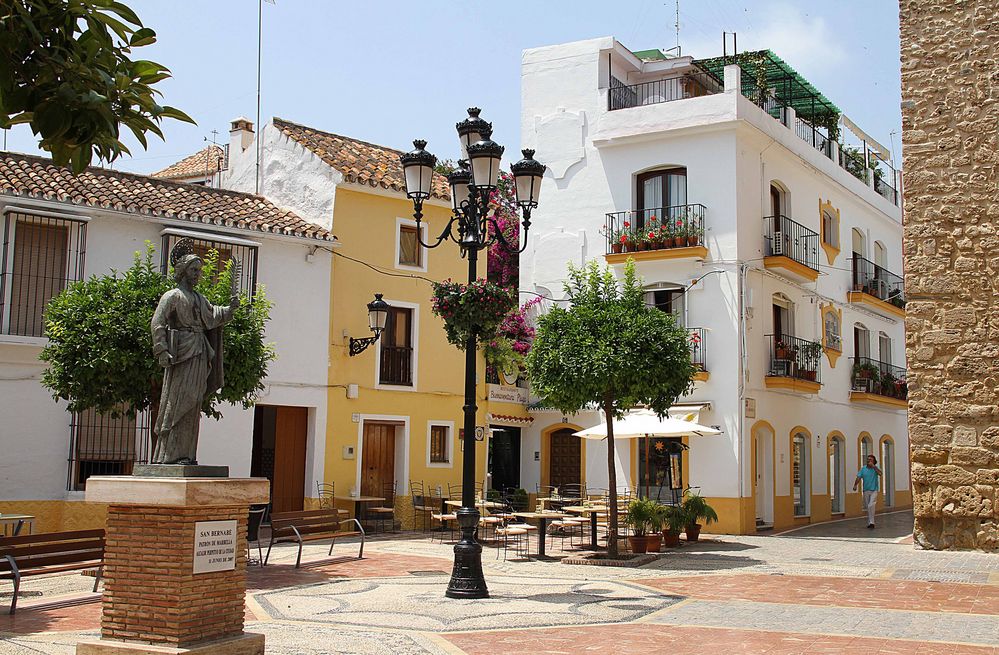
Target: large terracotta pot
<point>638,544</point>
<point>671,539</point>
<point>653,543</point>
<point>693,532</point>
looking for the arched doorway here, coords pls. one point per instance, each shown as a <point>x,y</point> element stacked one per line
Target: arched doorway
<point>888,470</point>
<point>837,474</point>
<point>763,490</point>
<point>564,458</point>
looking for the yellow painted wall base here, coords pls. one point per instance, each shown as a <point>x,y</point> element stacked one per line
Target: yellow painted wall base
<point>735,516</point>
<point>59,515</point>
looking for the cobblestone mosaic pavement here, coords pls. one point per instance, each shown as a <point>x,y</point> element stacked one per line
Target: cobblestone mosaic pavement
<point>829,588</point>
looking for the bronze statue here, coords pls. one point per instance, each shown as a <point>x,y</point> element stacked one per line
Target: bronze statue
<point>187,341</point>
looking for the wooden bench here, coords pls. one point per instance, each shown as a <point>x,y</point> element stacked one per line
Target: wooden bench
<point>52,552</point>
<point>311,525</point>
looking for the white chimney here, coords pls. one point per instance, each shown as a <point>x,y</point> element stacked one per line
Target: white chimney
<point>240,134</point>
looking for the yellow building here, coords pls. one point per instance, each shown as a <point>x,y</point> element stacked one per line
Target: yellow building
<point>394,410</point>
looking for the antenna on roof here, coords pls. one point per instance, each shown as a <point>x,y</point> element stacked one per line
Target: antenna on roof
<point>677,25</point>
<point>735,44</point>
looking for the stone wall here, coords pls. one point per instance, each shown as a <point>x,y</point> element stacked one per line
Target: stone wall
<point>950,121</point>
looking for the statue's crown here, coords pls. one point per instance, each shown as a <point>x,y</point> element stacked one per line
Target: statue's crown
<point>181,249</point>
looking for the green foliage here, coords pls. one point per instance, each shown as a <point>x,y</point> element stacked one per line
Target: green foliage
<point>674,519</point>
<point>479,306</point>
<point>611,349</point>
<point>65,69</point>
<point>609,342</point>
<point>100,355</point>
<point>643,516</point>
<point>697,509</point>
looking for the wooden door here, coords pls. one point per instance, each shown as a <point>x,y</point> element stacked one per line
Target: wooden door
<point>564,459</point>
<point>291,429</point>
<point>377,458</point>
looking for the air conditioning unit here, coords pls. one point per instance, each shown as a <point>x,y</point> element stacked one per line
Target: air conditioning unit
<point>777,243</point>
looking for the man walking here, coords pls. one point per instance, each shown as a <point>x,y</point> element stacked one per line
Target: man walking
<point>869,475</point>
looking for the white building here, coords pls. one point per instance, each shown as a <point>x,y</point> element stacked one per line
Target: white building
<point>777,251</point>
<point>59,228</point>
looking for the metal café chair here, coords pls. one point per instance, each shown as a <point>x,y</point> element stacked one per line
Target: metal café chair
<point>385,512</point>
<point>257,515</point>
<point>422,511</point>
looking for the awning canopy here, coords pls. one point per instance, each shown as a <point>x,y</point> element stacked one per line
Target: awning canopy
<point>645,423</point>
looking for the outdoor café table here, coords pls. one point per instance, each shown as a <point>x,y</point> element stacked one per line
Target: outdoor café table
<point>16,521</point>
<point>358,501</point>
<point>481,504</point>
<point>542,518</point>
<point>565,500</point>
<point>593,511</point>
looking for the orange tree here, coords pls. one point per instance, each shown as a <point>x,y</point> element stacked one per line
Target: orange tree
<point>609,349</point>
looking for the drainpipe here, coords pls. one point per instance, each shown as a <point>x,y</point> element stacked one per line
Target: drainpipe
<point>740,439</point>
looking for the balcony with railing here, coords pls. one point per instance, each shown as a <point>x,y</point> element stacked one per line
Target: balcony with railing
<point>878,383</point>
<point>795,364</point>
<point>665,233</point>
<point>698,348</point>
<point>877,288</point>
<point>688,85</point>
<point>790,248</point>
<point>396,366</point>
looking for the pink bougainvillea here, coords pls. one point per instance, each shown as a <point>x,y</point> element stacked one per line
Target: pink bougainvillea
<point>503,266</point>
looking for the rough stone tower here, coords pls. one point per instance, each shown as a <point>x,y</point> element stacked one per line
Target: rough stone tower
<point>950,122</point>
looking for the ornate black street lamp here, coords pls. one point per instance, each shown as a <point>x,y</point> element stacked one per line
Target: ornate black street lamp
<point>378,311</point>
<point>471,185</point>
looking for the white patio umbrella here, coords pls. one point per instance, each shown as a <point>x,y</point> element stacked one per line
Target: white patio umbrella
<point>644,423</point>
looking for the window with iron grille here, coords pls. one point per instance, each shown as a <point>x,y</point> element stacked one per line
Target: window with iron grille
<point>396,366</point>
<point>245,253</point>
<point>41,256</point>
<point>101,444</point>
<point>439,444</point>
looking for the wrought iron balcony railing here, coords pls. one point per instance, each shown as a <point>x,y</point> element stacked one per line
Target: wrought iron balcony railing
<point>691,85</point>
<point>680,226</point>
<point>698,347</point>
<point>881,378</point>
<point>878,281</point>
<point>791,357</point>
<point>784,237</point>
<point>396,365</point>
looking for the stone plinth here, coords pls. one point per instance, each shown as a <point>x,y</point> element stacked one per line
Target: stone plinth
<point>153,600</point>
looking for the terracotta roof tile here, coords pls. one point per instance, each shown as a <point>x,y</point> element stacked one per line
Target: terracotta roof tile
<point>29,176</point>
<point>203,163</point>
<point>359,162</point>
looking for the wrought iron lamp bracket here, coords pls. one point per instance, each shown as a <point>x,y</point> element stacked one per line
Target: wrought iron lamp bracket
<point>358,346</point>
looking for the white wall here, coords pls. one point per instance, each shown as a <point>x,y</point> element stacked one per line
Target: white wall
<point>731,150</point>
<point>291,176</point>
<point>34,432</point>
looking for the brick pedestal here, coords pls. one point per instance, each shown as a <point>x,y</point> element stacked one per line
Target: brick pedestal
<point>153,601</point>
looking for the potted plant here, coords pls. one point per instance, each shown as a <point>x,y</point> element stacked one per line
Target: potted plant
<point>640,516</point>
<point>696,508</point>
<point>695,235</point>
<point>674,520</point>
<point>811,354</point>
<point>679,234</point>
<point>519,500</point>
<point>865,375</point>
<point>782,350</point>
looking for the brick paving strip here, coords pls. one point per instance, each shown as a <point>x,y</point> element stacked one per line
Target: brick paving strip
<point>687,640</point>
<point>910,595</point>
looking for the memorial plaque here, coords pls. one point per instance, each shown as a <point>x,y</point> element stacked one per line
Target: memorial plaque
<point>214,546</point>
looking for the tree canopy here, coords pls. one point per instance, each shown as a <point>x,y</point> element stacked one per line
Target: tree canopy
<point>100,353</point>
<point>609,349</point>
<point>66,70</point>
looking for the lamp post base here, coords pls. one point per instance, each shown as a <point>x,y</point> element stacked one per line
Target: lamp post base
<point>467,580</point>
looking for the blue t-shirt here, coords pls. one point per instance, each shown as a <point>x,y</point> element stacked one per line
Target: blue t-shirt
<point>869,475</point>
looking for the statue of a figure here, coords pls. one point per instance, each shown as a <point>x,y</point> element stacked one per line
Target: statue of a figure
<point>187,341</point>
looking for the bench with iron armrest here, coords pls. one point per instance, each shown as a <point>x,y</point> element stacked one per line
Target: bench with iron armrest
<point>310,525</point>
<point>52,552</point>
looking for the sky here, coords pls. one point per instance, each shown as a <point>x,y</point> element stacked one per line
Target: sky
<point>389,71</point>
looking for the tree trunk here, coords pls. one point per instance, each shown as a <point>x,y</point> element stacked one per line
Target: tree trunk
<point>611,478</point>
